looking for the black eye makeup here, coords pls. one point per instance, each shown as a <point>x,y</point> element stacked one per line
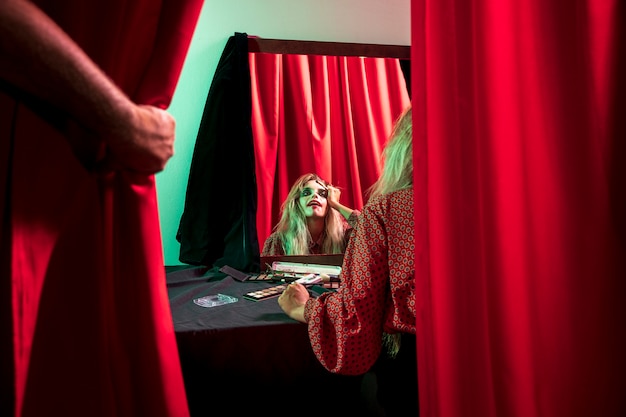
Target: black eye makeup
<point>309,191</point>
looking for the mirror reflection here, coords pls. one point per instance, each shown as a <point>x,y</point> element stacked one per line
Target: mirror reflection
<point>321,113</point>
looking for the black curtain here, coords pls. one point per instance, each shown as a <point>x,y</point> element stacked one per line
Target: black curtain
<point>405,66</point>
<point>218,224</point>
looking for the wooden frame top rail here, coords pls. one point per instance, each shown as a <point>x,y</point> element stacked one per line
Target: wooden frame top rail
<point>281,46</point>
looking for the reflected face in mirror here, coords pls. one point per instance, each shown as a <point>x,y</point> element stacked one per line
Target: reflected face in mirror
<point>313,200</point>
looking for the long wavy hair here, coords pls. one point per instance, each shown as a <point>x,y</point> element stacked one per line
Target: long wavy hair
<point>292,227</point>
<point>397,174</point>
<point>397,158</point>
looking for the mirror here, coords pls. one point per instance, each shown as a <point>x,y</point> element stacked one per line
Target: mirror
<point>322,107</point>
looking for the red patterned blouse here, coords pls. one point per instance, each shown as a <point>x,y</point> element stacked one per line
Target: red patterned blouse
<point>377,292</point>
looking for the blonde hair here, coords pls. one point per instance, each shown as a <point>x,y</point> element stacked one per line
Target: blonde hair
<point>292,227</point>
<point>397,161</point>
<point>397,158</point>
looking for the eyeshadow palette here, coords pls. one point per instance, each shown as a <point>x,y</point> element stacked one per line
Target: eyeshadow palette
<point>307,280</point>
<point>241,276</point>
<point>265,293</point>
<point>260,277</point>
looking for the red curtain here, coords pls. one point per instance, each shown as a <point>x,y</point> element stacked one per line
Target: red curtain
<point>323,114</point>
<point>520,157</point>
<point>92,331</point>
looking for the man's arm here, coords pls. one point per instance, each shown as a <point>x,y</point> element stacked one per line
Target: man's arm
<point>38,57</point>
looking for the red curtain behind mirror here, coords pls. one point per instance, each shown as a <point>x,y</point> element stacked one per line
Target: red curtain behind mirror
<point>520,157</point>
<point>323,114</point>
<point>86,321</point>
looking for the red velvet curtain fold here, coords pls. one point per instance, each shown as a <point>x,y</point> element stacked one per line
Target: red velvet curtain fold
<point>324,114</point>
<point>520,179</point>
<point>92,331</point>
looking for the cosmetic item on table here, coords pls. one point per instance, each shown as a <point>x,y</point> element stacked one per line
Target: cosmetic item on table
<point>242,276</point>
<point>265,293</point>
<point>215,300</point>
<point>307,280</point>
<point>300,268</point>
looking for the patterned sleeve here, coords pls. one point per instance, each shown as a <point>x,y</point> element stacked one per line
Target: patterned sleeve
<point>353,218</point>
<point>272,246</point>
<point>377,290</point>
<point>345,327</point>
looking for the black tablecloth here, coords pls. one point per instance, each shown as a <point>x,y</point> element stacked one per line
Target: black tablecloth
<point>248,356</point>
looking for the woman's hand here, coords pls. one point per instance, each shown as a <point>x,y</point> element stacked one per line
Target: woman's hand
<point>334,194</point>
<point>292,301</point>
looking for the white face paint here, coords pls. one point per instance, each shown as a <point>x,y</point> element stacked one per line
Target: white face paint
<point>313,199</point>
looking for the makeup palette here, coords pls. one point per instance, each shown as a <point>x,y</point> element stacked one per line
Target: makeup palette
<point>260,277</point>
<point>241,276</point>
<point>307,280</point>
<point>265,293</point>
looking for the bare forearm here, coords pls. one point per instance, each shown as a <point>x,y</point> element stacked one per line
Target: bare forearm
<point>38,57</point>
<point>41,59</point>
<point>345,211</point>
<point>334,194</point>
